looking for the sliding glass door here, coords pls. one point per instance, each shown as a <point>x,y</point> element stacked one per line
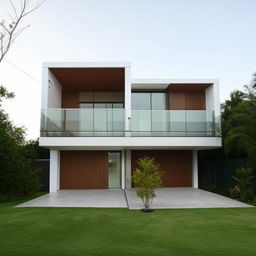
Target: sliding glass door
<point>114,169</point>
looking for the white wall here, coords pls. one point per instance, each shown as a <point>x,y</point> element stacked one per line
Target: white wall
<point>212,99</point>
<point>209,98</point>
<point>44,90</point>
<point>216,94</point>
<point>54,91</point>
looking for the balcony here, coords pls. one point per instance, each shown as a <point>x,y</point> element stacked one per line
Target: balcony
<point>110,122</point>
<point>83,122</point>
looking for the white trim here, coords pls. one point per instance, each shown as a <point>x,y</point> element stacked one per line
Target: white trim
<point>175,81</point>
<point>117,143</point>
<point>102,64</point>
<point>194,169</point>
<point>164,83</point>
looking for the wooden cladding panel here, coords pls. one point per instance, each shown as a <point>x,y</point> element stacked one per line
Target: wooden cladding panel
<point>90,79</point>
<point>83,170</point>
<point>188,87</point>
<point>195,100</point>
<point>177,101</point>
<point>176,164</point>
<point>70,99</point>
<point>187,100</point>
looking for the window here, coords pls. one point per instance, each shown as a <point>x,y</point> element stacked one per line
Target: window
<point>102,105</point>
<point>99,105</point>
<point>141,101</point>
<point>86,105</point>
<point>148,100</point>
<point>158,101</point>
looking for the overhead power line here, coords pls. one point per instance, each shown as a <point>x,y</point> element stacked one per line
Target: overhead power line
<point>22,71</point>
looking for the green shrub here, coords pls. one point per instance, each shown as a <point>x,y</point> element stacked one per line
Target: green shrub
<point>217,190</point>
<point>241,190</point>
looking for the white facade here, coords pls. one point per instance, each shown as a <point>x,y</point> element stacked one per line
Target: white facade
<point>52,99</point>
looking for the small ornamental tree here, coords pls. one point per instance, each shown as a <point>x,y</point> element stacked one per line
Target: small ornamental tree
<point>146,178</point>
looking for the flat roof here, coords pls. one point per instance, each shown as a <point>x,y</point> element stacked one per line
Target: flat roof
<point>161,84</point>
<point>91,64</point>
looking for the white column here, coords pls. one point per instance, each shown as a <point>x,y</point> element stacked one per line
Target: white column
<point>128,169</point>
<point>127,98</point>
<point>123,169</point>
<point>194,169</point>
<point>54,170</point>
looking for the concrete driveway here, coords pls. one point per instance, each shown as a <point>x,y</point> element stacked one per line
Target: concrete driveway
<point>167,198</point>
<point>105,198</point>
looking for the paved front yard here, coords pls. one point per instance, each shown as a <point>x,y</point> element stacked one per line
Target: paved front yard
<point>169,198</point>
<point>88,231</point>
<point>116,198</point>
<point>109,198</point>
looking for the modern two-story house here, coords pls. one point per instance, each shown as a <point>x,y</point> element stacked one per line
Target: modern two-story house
<point>97,122</point>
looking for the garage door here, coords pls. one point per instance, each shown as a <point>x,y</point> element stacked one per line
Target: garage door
<point>176,164</point>
<point>83,169</point>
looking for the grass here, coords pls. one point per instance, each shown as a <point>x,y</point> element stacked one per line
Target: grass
<point>89,231</point>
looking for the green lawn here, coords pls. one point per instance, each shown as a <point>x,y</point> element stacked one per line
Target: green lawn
<point>81,231</point>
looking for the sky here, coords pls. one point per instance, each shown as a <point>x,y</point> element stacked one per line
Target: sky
<point>161,39</point>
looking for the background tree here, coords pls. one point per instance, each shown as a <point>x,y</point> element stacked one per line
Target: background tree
<point>10,28</point>
<point>32,150</point>
<point>228,108</point>
<point>17,175</point>
<point>242,134</point>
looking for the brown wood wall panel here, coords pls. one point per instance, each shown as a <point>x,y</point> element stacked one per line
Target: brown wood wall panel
<point>70,99</point>
<point>177,101</point>
<point>83,170</point>
<point>194,100</point>
<point>91,79</point>
<point>176,164</point>
<point>187,87</point>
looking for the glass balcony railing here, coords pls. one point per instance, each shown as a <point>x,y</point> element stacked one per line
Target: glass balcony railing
<point>111,122</point>
<point>174,123</point>
<point>82,122</point>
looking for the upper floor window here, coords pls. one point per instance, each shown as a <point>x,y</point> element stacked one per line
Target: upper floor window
<point>148,100</point>
<point>102,105</point>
